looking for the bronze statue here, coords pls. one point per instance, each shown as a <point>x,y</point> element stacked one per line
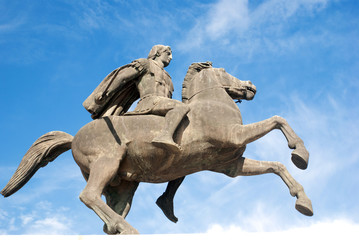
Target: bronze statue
<point>115,152</point>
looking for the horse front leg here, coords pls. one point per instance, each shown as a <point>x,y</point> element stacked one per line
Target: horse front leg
<point>249,167</point>
<point>244,134</point>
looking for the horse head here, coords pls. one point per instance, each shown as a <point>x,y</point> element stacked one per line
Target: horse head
<point>237,89</point>
<point>202,76</point>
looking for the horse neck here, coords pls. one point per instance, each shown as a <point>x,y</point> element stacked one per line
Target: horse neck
<point>216,93</point>
<point>206,86</point>
<point>214,96</point>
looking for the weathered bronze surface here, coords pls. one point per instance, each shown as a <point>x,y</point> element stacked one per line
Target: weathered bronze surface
<point>163,140</point>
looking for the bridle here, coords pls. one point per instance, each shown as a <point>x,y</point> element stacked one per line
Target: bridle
<point>202,90</point>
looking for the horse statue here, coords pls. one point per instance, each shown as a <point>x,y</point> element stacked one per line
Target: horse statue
<point>115,153</point>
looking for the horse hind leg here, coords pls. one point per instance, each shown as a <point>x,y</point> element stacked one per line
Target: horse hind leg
<point>245,134</point>
<point>119,198</point>
<point>249,167</point>
<point>102,171</point>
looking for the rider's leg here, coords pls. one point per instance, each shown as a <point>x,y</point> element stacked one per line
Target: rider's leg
<point>165,201</point>
<point>174,112</point>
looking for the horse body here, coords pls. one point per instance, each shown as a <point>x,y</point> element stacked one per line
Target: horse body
<point>200,136</point>
<point>115,153</point>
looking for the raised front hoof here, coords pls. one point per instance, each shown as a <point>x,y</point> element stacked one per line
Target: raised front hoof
<point>167,208</point>
<point>167,144</point>
<point>116,231</point>
<point>304,206</point>
<point>300,157</point>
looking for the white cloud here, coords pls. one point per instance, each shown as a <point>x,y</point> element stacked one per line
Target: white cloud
<point>50,225</point>
<point>94,15</point>
<point>3,214</point>
<point>326,228</point>
<point>28,211</point>
<point>274,11</point>
<point>42,219</point>
<point>227,16</point>
<point>25,219</point>
<point>222,18</point>
<point>8,225</point>
<point>234,25</point>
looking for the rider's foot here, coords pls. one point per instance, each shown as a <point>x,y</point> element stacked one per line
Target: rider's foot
<point>166,206</point>
<point>168,143</point>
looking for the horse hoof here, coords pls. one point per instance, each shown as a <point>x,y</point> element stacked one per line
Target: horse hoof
<point>300,157</point>
<point>304,206</point>
<point>116,231</point>
<point>129,232</point>
<point>105,230</point>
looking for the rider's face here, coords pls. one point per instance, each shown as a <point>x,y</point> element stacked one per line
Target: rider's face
<point>166,57</point>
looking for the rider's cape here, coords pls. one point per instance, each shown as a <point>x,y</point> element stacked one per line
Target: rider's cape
<point>119,103</point>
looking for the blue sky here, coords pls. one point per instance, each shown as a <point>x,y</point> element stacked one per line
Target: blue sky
<point>303,56</point>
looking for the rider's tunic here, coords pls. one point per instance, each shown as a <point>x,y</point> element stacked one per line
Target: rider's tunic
<point>155,86</point>
<point>152,83</point>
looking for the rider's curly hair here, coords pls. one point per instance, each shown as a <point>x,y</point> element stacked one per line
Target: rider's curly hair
<point>157,50</point>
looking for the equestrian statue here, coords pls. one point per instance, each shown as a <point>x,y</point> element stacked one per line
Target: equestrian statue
<point>162,139</point>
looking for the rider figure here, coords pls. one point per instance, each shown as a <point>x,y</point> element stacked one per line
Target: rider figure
<point>154,87</point>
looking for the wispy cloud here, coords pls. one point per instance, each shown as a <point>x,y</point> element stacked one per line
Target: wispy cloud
<point>11,25</point>
<point>241,28</point>
<point>99,15</point>
<point>50,225</point>
<point>27,213</point>
<point>225,17</point>
<point>46,219</point>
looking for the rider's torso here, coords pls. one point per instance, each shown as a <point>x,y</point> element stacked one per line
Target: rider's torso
<point>155,82</point>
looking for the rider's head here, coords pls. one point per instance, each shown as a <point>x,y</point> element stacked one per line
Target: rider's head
<point>157,51</point>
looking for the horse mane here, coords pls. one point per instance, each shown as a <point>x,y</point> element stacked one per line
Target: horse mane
<point>193,69</point>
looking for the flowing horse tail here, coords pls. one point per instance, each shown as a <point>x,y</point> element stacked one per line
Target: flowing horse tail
<point>44,150</point>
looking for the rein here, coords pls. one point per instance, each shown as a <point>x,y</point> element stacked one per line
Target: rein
<point>203,90</point>
<point>224,87</point>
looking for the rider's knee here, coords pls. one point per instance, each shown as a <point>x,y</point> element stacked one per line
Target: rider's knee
<point>181,108</point>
